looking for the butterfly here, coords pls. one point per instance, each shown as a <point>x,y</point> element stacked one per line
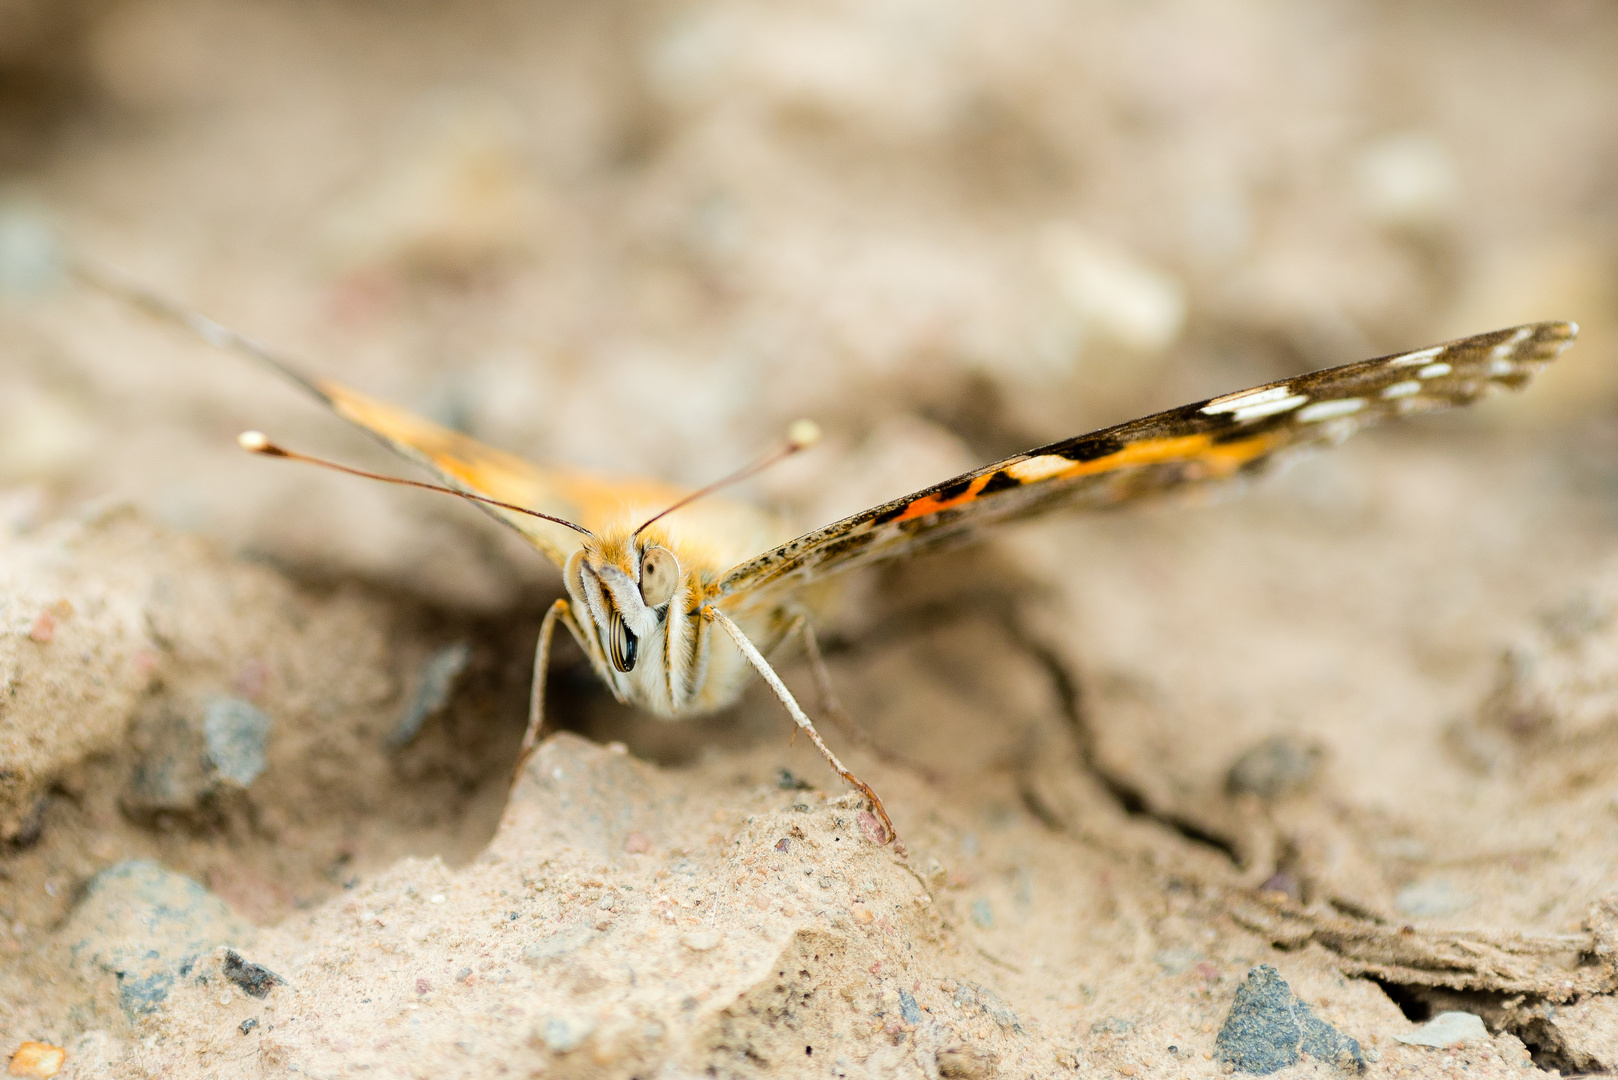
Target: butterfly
<point>676,597</point>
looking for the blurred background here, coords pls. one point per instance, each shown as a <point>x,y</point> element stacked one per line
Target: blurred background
<point>644,236</point>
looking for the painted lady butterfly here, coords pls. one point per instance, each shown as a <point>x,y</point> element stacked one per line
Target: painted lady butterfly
<point>670,595</point>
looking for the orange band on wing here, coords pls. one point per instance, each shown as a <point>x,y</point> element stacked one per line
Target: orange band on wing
<point>929,505</point>
<point>1222,459</point>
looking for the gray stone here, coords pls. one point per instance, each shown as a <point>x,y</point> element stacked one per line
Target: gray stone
<point>439,674</point>
<point>187,756</point>
<point>148,927</point>
<point>234,733</point>
<point>30,251</point>
<point>1280,765</point>
<point>1269,1029</point>
<point>971,995</point>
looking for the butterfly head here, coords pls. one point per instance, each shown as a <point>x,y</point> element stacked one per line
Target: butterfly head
<point>637,592</point>
<point>627,586</point>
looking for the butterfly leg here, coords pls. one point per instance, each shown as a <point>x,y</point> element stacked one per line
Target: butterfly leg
<point>829,703</point>
<point>536,695</point>
<point>754,657</point>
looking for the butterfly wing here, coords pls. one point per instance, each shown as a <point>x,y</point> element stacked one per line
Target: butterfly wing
<point>1232,435</point>
<point>457,460</point>
<point>463,462</point>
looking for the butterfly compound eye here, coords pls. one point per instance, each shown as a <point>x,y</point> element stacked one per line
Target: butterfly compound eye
<point>621,642</point>
<point>659,576</point>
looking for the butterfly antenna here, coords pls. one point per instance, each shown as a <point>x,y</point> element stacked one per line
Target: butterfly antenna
<point>255,442</point>
<point>219,336</point>
<point>801,435</point>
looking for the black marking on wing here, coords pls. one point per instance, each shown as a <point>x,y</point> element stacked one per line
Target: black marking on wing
<point>1088,447</point>
<point>1000,481</point>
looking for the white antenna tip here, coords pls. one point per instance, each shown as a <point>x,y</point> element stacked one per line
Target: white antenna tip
<point>802,434</point>
<point>254,442</point>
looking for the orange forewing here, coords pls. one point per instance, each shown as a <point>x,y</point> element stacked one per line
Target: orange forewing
<point>589,500</point>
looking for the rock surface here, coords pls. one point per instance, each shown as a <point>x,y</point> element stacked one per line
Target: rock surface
<point>257,734</point>
<point>1269,1029</point>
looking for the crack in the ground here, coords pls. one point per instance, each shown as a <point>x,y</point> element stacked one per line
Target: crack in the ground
<point>1527,1016</point>
<point>1001,607</point>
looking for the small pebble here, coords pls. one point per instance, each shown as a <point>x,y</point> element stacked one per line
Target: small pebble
<point>786,781</point>
<point>247,1025</point>
<point>983,914</point>
<point>1280,765</point>
<point>255,981</point>
<point>637,843</point>
<point>871,827</point>
<point>30,251</point>
<point>235,733</point>
<point>701,940</point>
<point>1447,1029</point>
<point>1174,961</point>
<point>1283,883</point>
<point>423,986</point>
<point>37,1059</point>
<point>43,630</point>
<point>561,1034</point>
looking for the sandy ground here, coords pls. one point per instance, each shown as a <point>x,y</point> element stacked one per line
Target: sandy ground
<point>1358,726</point>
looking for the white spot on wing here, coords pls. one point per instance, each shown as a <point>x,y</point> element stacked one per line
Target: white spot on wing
<point>1236,402</point>
<point>1412,359</point>
<point>1268,408</point>
<point>1509,346</point>
<point>1325,410</point>
<point>1433,371</point>
<point>1402,389</point>
<point>1501,366</point>
<point>1036,469</point>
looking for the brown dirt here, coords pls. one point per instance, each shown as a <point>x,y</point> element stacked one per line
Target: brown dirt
<point>1358,724</point>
